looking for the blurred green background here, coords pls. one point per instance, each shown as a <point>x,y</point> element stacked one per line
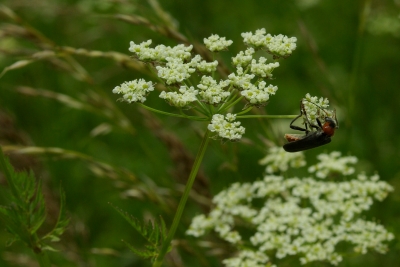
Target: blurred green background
<point>348,51</point>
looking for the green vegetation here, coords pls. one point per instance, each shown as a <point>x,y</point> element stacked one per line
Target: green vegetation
<point>60,122</point>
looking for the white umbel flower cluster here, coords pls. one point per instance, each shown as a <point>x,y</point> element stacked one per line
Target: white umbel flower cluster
<point>256,93</point>
<point>202,65</point>
<point>316,108</point>
<point>175,71</point>
<point>190,81</point>
<point>182,99</point>
<point>259,95</point>
<point>134,91</point>
<point>214,43</point>
<point>241,80</point>
<point>305,217</point>
<point>226,127</point>
<point>279,45</point>
<point>161,52</point>
<point>243,58</point>
<point>248,258</point>
<point>261,69</point>
<point>278,160</point>
<point>333,163</point>
<point>212,92</point>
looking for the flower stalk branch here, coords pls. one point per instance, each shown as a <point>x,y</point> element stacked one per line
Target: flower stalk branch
<point>266,116</point>
<point>173,114</point>
<point>184,198</point>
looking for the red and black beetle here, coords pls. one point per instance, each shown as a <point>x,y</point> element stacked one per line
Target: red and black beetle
<point>321,136</point>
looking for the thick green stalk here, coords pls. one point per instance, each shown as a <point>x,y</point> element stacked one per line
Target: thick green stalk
<point>43,259</point>
<point>182,202</point>
<point>357,58</point>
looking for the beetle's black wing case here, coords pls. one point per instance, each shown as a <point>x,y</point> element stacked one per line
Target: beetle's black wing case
<point>311,140</point>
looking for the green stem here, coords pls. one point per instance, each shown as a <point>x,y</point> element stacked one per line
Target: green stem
<point>203,107</point>
<point>230,98</point>
<point>182,202</point>
<point>43,259</point>
<point>357,58</point>
<point>228,105</point>
<point>173,114</point>
<point>267,116</point>
<point>244,111</point>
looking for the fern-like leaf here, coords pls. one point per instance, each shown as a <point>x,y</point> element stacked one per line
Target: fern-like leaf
<point>26,212</point>
<point>154,233</point>
<point>62,221</point>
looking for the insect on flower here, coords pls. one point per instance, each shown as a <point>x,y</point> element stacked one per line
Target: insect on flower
<point>313,138</point>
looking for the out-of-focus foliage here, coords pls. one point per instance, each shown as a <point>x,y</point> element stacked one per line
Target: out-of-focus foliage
<point>26,212</point>
<point>61,59</point>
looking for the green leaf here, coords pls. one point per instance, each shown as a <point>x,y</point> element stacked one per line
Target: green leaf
<point>13,224</point>
<point>145,229</point>
<point>37,209</point>
<point>164,231</point>
<point>154,233</point>
<point>142,253</point>
<point>49,248</point>
<point>26,212</point>
<point>11,241</point>
<point>7,169</point>
<point>62,221</point>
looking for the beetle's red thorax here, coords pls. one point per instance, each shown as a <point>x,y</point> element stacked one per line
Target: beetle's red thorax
<point>328,129</point>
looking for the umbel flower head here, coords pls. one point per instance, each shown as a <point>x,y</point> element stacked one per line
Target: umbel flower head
<point>215,43</point>
<point>305,218</point>
<point>212,92</point>
<point>134,91</point>
<point>190,82</point>
<point>181,99</point>
<point>316,108</point>
<point>226,127</point>
<point>279,46</point>
<point>277,160</point>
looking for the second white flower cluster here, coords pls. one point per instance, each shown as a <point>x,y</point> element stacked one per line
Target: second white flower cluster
<point>307,217</point>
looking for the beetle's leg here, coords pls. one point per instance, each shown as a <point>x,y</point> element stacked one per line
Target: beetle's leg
<point>294,127</point>
<point>315,126</point>
<point>337,123</point>
<point>319,123</point>
<point>308,121</point>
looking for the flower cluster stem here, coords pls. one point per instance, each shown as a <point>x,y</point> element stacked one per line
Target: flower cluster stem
<point>266,116</point>
<point>43,259</point>
<point>182,202</point>
<point>173,114</point>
